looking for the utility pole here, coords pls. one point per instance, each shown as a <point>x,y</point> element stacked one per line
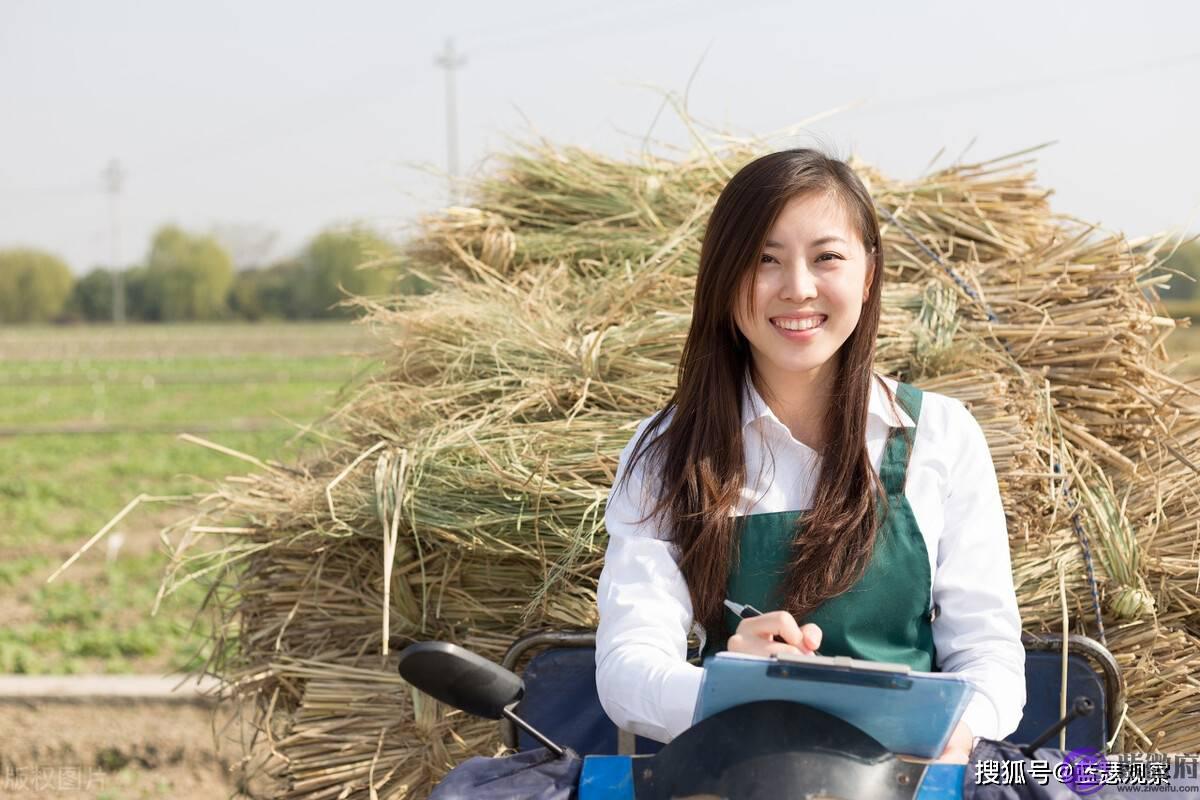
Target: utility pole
<point>114,177</point>
<point>451,61</point>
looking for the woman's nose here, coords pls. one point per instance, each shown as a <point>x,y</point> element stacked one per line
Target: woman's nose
<point>798,282</point>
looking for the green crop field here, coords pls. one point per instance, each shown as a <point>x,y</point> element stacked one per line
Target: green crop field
<point>89,419</point>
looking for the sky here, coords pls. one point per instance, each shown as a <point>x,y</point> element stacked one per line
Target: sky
<point>270,121</point>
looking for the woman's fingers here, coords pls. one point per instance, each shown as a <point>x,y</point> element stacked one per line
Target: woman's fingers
<point>958,749</point>
<point>812,636</point>
<point>757,635</point>
<point>775,623</point>
<point>757,646</point>
<point>775,648</point>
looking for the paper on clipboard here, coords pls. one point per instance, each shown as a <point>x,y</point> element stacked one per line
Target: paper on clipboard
<point>906,710</point>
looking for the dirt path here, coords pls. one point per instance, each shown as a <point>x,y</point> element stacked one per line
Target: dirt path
<point>121,749</point>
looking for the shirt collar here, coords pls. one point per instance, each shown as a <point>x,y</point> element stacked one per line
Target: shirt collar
<point>754,407</point>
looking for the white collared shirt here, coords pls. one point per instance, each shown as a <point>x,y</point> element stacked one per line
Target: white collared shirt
<point>645,684</point>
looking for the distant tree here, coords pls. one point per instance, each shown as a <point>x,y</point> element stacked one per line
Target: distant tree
<point>245,295</point>
<point>92,297</point>
<point>268,293</point>
<point>279,291</point>
<point>332,266</point>
<point>187,277</point>
<point>139,305</point>
<point>332,262</point>
<point>1186,259</point>
<point>34,285</point>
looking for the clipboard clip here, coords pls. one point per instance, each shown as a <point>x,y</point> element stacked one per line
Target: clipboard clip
<point>878,680</point>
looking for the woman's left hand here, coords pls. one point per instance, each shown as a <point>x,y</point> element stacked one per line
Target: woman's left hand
<point>958,749</point>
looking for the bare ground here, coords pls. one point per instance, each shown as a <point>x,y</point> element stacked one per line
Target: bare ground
<point>122,749</point>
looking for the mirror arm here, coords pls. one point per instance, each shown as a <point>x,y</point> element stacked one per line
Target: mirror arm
<point>551,746</point>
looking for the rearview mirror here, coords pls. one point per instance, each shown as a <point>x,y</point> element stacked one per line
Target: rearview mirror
<point>458,677</point>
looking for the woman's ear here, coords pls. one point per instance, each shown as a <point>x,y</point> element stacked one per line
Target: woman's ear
<point>872,267</point>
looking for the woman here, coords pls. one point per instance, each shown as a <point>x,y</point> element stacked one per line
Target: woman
<point>862,516</point>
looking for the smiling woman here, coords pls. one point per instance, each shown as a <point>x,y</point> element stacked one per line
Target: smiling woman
<point>786,474</point>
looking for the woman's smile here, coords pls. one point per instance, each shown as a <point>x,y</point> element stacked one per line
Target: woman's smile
<point>799,329</point>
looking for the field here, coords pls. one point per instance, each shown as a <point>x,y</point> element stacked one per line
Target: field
<point>89,419</point>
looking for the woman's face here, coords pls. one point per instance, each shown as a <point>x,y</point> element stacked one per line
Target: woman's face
<point>813,276</point>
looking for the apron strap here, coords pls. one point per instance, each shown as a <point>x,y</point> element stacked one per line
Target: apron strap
<point>898,449</point>
<point>909,398</point>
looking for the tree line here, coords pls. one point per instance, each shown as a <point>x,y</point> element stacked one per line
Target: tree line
<point>187,276</point>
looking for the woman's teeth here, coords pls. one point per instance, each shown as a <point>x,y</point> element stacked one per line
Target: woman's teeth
<point>805,324</point>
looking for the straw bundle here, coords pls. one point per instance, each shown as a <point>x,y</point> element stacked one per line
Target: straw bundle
<point>460,492</point>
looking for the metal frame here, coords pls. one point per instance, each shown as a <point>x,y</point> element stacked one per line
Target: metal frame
<point>1114,682</point>
<point>553,638</point>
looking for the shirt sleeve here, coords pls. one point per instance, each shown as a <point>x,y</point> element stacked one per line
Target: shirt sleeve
<point>977,631</point>
<point>643,678</point>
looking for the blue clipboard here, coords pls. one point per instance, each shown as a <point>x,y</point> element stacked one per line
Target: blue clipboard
<point>909,712</point>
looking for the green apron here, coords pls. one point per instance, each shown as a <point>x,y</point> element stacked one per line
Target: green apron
<point>885,616</point>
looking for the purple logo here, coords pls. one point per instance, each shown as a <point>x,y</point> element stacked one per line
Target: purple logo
<point>1083,771</point>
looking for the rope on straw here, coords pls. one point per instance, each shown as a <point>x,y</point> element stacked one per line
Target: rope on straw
<point>993,318</point>
<point>1087,555</point>
<point>1066,633</point>
<point>962,284</point>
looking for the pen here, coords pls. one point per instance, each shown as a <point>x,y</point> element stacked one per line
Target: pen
<point>743,611</point>
<point>746,612</point>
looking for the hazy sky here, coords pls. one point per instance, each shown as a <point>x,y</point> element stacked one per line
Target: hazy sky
<point>293,116</point>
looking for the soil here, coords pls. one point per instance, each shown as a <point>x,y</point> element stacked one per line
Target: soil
<point>123,749</point>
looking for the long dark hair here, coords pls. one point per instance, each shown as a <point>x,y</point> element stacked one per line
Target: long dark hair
<point>699,464</point>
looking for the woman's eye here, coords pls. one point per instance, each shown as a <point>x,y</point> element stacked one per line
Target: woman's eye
<point>766,258</point>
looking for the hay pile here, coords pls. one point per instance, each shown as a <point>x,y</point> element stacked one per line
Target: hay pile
<point>460,490</point>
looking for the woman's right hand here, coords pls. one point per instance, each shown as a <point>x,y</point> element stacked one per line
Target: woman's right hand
<point>756,635</point>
